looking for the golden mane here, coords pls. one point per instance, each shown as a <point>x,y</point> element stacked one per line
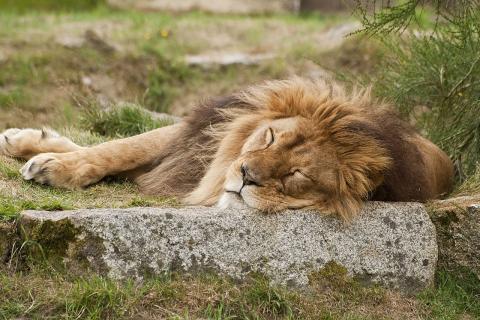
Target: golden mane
<point>335,112</point>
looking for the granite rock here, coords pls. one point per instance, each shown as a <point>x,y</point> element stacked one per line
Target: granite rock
<point>457,222</point>
<point>390,244</point>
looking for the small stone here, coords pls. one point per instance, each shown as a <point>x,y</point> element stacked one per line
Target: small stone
<point>287,247</point>
<point>98,42</point>
<point>218,6</point>
<point>226,59</point>
<point>87,81</point>
<point>70,41</point>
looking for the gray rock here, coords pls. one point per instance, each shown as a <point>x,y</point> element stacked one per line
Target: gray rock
<point>164,116</point>
<point>457,221</point>
<point>208,60</point>
<point>390,244</point>
<point>217,6</point>
<point>70,41</point>
<point>7,237</point>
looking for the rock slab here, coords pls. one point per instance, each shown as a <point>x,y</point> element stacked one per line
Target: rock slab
<point>390,244</point>
<point>457,222</point>
<point>7,236</point>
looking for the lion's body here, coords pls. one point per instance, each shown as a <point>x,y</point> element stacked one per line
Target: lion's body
<point>341,149</point>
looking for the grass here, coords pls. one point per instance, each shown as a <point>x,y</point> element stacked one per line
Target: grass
<point>456,295</point>
<point>47,294</point>
<point>166,81</point>
<point>49,5</point>
<point>98,298</point>
<point>120,121</point>
<point>148,67</point>
<point>471,185</point>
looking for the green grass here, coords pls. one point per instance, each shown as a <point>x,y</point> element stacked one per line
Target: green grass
<point>99,298</point>
<point>11,207</point>
<point>12,98</point>
<point>120,121</point>
<point>456,295</point>
<point>166,82</point>
<point>49,5</point>
<point>471,185</point>
<point>257,300</point>
<point>46,294</point>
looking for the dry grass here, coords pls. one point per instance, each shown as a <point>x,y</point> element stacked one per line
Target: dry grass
<point>50,294</point>
<point>43,293</point>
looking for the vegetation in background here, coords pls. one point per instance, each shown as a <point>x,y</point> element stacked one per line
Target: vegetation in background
<point>120,121</point>
<point>113,55</point>
<point>471,185</point>
<point>49,5</point>
<point>166,82</point>
<point>433,75</point>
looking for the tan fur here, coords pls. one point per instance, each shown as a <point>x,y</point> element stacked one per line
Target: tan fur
<point>304,143</point>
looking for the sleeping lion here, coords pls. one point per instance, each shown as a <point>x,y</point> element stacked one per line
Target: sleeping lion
<point>281,145</point>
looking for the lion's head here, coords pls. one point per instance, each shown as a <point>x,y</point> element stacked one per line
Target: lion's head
<point>301,145</point>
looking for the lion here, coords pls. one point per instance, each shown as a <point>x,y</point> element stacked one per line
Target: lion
<point>283,144</point>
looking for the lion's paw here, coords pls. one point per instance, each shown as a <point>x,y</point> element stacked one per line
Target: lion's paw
<point>24,143</point>
<point>41,168</point>
<point>65,170</point>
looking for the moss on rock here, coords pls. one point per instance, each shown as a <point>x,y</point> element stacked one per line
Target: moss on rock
<point>7,238</point>
<point>49,240</point>
<point>457,222</point>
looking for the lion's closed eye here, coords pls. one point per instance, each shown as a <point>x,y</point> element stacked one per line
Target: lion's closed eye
<point>270,137</point>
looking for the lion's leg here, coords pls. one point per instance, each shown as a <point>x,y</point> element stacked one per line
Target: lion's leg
<point>26,143</point>
<point>85,166</point>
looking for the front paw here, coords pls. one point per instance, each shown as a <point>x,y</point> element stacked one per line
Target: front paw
<point>44,168</point>
<point>70,170</point>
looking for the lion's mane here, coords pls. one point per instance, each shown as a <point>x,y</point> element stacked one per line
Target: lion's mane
<point>379,157</point>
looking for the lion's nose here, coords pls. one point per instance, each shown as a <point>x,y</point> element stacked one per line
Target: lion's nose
<point>248,178</point>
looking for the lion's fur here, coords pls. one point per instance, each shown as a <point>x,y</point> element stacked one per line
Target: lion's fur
<point>333,150</point>
<point>370,141</point>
